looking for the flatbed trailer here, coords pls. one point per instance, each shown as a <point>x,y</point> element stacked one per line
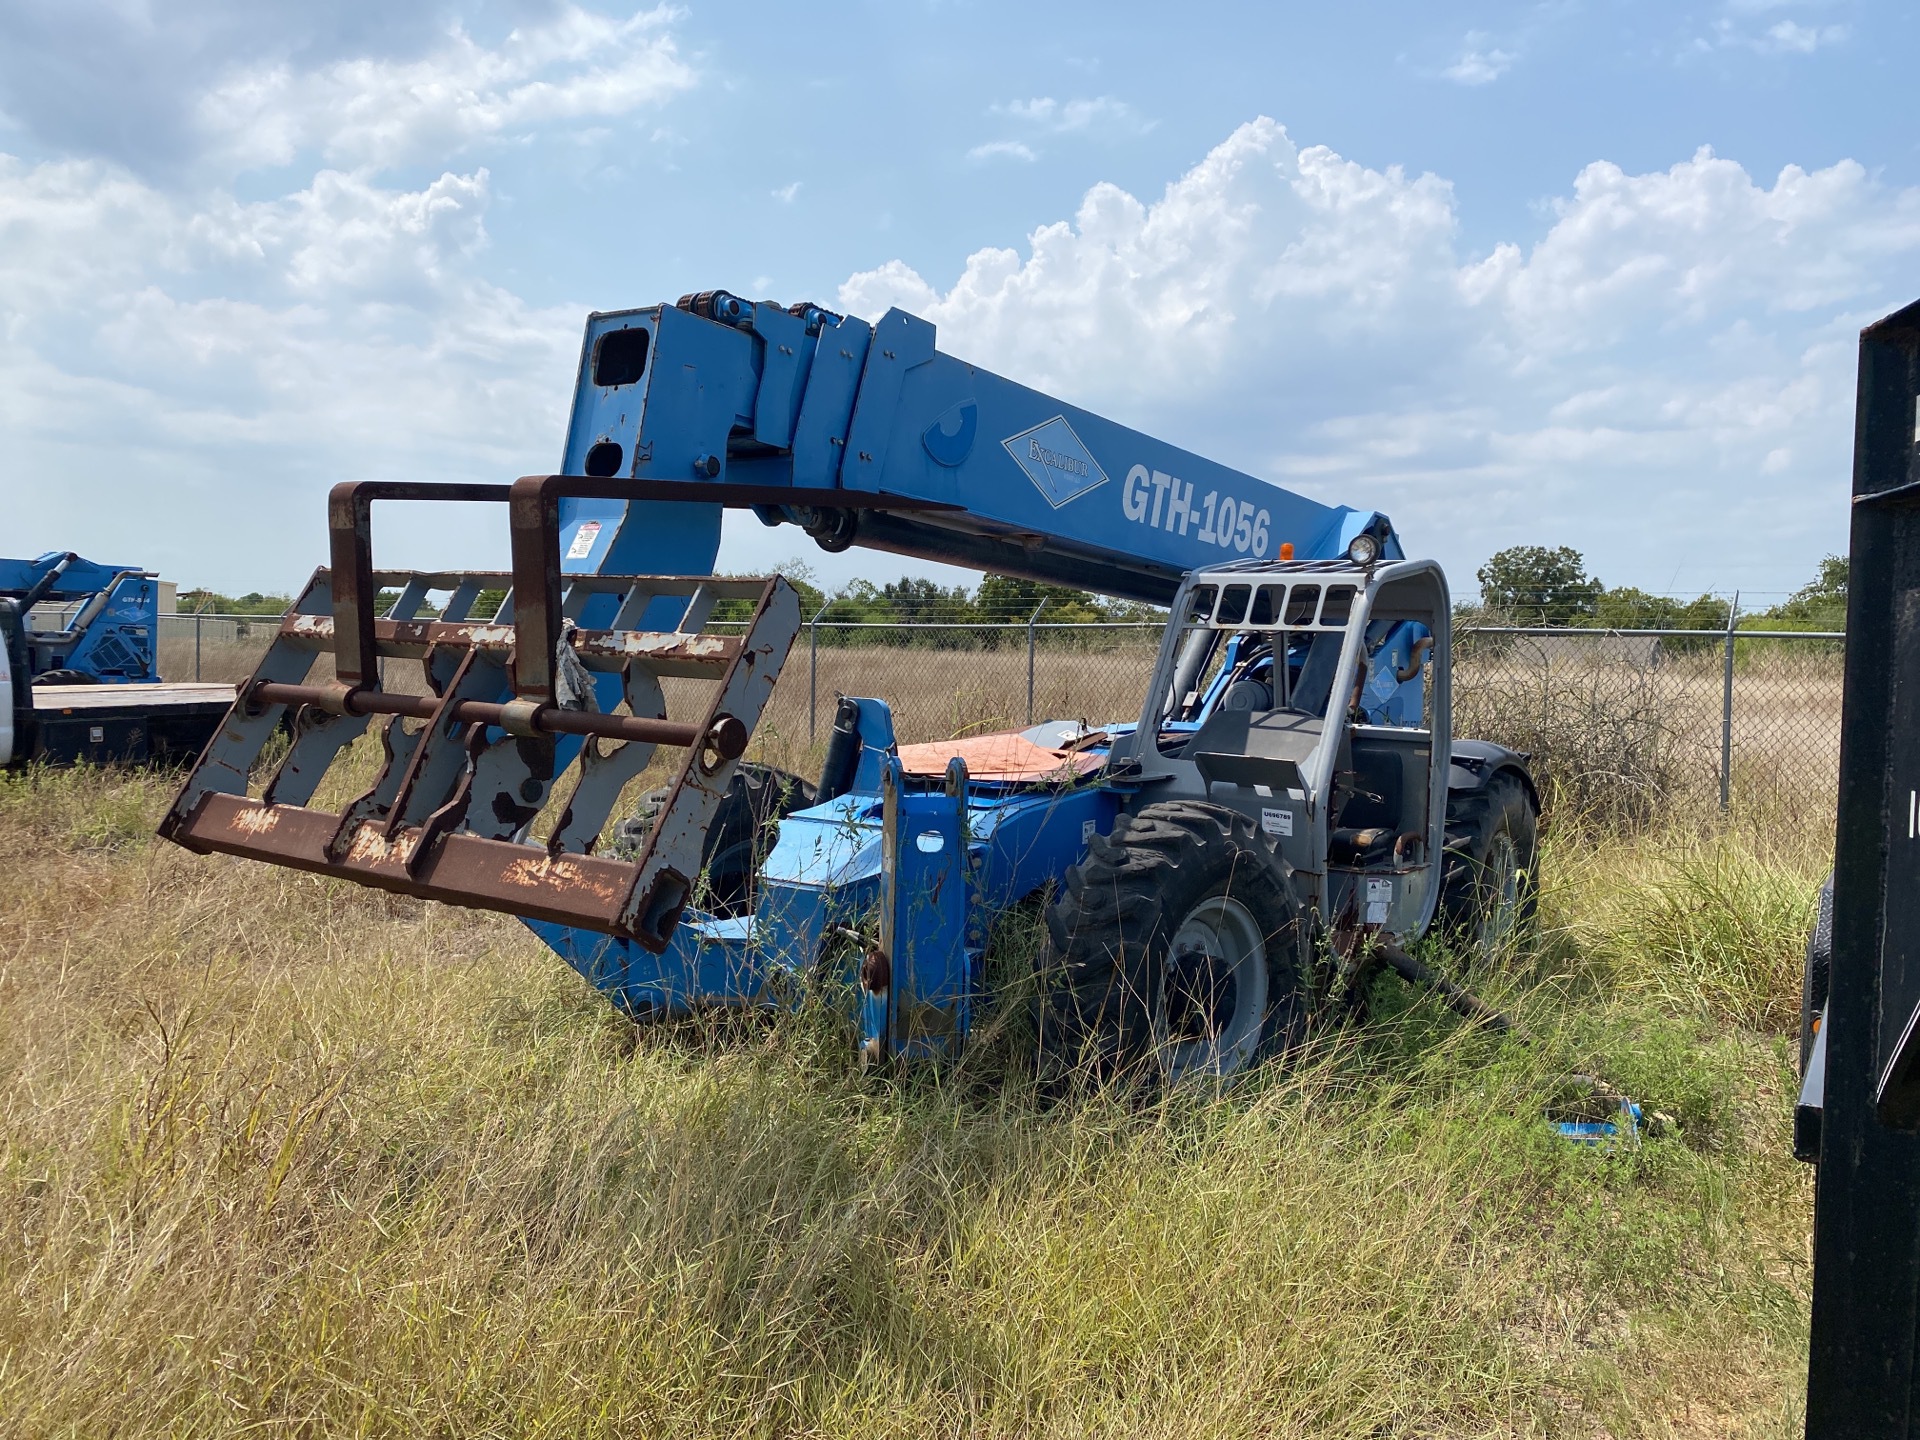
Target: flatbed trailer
<point>122,724</point>
<point>158,723</point>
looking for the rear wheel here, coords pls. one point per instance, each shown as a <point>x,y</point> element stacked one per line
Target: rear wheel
<point>757,799</point>
<point>1177,949</point>
<point>64,677</point>
<point>1487,893</point>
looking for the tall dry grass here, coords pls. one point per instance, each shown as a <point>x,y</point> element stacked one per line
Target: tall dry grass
<point>284,1156</point>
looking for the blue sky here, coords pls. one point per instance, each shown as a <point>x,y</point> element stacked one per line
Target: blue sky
<point>1562,273</point>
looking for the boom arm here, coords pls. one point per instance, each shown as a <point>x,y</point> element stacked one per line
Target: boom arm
<point>718,388</point>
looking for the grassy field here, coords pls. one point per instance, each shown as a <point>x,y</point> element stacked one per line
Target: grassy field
<point>279,1155</point>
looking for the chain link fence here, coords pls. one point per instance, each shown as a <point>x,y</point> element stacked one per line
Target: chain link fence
<point>218,648</point>
<point>1621,723</point>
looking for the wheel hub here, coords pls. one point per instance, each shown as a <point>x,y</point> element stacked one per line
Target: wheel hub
<point>1501,916</point>
<point>1213,995</point>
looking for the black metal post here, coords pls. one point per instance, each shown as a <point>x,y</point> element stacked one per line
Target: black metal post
<point>813,674</point>
<point>1031,621</point>
<point>1726,708</point>
<point>1862,1379</point>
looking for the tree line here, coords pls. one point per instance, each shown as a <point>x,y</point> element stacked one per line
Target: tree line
<point>1531,585</point>
<point>1537,586</point>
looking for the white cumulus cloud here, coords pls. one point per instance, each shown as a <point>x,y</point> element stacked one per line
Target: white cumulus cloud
<point>238,357</point>
<point>1669,360</point>
<point>575,66</point>
<point>1480,63</point>
<point>1803,39</point>
<point>1002,150</point>
<point>1100,115</point>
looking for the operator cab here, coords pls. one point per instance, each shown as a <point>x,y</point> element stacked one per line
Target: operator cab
<point>1303,695</point>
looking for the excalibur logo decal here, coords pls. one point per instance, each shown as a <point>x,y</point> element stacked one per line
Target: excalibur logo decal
<point>1060,467</point>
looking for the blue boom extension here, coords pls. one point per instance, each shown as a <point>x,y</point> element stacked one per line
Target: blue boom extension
<point>719,388</point>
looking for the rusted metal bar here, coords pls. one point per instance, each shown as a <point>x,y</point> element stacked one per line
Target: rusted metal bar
<point>668,652</point>
<point>723,492</point>
<point>725,735</point>
<point>457,868</point>
<point>533,521</point>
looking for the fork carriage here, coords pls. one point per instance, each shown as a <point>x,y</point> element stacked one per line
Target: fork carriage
<point>560,693</point>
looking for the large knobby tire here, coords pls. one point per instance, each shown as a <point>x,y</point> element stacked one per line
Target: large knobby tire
<point>1488,899</point>
<point>757,798</point>
<point>1178,948</point>
<point>65,677</point>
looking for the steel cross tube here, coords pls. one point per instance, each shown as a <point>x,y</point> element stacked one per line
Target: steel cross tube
<point>726,737</point>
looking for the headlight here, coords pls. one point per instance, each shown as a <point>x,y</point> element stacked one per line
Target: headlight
<point>1364,549</point>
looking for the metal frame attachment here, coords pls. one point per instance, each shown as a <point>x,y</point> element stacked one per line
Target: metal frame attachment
<point>511,706</point>
<point>449,814</point>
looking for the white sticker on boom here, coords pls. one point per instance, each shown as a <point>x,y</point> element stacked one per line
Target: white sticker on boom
<point>1087,831</point>
<point>1276,820</point>
<point>583,539</point>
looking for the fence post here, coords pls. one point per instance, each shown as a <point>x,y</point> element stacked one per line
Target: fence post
<point>1726,709</point>
<point>813,674</point>
<point>196,646</point>
<point>1030,623</point>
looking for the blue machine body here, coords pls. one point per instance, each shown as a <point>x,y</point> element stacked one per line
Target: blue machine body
<point>927,867</point>
<point>724,389</point>
<point>110,635</point>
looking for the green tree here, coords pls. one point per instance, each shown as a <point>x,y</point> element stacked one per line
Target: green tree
<point>1532,585</point>
<point>212,602</point>
<point>1626,608</point>
<point>919,601</point>
<point>1006,598</point>
<point>860,602</point>
<point>796,573</point>
<point>1818,605</point>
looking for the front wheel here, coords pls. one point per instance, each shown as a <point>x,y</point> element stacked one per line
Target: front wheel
<point>742,832</point>
<point>1487,890</point>
<point>1178,949</point>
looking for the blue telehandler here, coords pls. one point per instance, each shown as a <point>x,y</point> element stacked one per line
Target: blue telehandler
<point>1286,811</point>
<point>86,686</point>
